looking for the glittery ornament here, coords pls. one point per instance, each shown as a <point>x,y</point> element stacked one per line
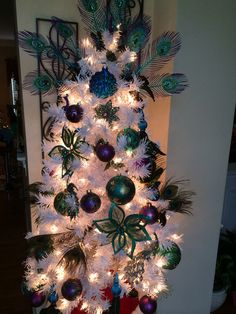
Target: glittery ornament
<point>150,214</point>
<point>134,270</point>
<point>74,113</point>
<point>71,289</point>
<point>120,189</point>
<point>90,202</point>
<point>155,194</point>
<point>172,255</point>
<point>66,203</point>
<point>53,297</point>
<point>147,305</point>
<point>107,112</point>
<point>105,152</point>
<point>103,84</point>
<point>37,298</point>
<point>132,138</point>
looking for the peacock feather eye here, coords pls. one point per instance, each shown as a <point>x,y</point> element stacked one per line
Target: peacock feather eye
<point>36,43</point>
<point>90,5</point>
<point>174,83</point>
<point>32,43</point>
<point>163,47</point>
<point>43,83</point>
<point>170,192</point>
<point>64,30</point>
<point>138,33</point>
<point>136,39</point>
<point>169,84</point>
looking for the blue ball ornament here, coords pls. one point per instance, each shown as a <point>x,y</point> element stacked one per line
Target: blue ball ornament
<point>103,84</point>
<point>53,297</point>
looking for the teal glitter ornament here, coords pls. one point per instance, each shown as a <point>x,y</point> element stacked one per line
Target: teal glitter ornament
<point>120,189</point>
<point>66,203</point>
<point>172,255</point>
<point>103,84</point>
<point>132,138</point>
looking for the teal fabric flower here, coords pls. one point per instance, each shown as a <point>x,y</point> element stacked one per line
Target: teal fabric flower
<point>69,152</point>
<point>123,231</point>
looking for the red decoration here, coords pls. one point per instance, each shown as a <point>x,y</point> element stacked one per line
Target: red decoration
<point>127,304</point>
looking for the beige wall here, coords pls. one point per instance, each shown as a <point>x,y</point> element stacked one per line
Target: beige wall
<point>199,130</point>
<point>199,138</point>
<point>27,11</point>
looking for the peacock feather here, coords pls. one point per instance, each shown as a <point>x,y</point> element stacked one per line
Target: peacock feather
<point>36,83</point>
<point>180,200</point>
<point>161,51</point>
<point>40,246</point>
<point>93,14</point>
<point>138,33</point>
<point>118,15</point>
<point>32,43</point>
<point>73,258</point>
<point>168,84</point>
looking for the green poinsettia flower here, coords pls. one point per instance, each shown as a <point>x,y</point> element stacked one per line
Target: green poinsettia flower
<point>123,231</point>
<point>69,152</point>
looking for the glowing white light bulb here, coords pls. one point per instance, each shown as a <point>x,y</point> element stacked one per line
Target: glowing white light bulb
<point>53,229</point>
<point>93,277</point>
<point>60,273</point>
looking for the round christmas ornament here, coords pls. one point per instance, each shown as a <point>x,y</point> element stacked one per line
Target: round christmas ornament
<point>71,289</point>
<point>74,113</point>
<point>120,189</point>
<point>132,138</point>
<point>155,194</point>
<point>150,214</point>
<point>103,84</point>
<point>66,203</point>
<point>53,297</point>
<point>147,305</point>
<point>105,152</point>
<point>90,202</point>
<point>172,255</point>
<point>37,298</point>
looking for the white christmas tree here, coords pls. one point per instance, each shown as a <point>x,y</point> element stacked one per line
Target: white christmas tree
<point>102,207</point>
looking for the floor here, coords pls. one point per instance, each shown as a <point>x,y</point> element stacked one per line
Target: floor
<point>227,307</point>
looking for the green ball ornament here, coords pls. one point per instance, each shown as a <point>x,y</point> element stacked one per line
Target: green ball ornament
<point>61,204</point>
<point>120,190</point>
<point>132,138</point>
<point>172,255</point>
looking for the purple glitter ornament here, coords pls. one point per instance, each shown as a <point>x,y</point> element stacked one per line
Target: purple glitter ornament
<point>150,214</point>
<point>105,152</point>
<point>71,289</point>
<point>74,113</point>
<point>37,298</point>
<point>90,202</point>
<point>147,305</point>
